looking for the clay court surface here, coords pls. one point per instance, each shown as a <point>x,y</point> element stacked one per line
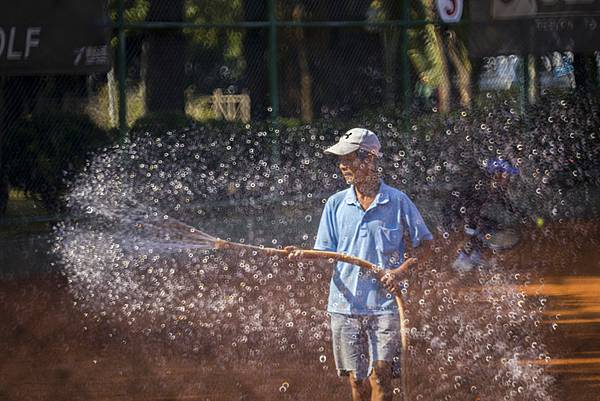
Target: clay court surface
<point>51,351</point>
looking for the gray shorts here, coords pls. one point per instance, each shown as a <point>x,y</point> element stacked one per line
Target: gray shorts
<point>360,340</point>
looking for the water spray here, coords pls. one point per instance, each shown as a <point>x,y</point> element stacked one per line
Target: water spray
<point>197,238</point>
<point>340,257</point>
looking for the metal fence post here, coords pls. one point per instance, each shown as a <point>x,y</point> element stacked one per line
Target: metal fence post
<point>121,69</point>
<point>273,80</point>
<point>523,84</point>
<point>273,76</point>
<point>404,61</point>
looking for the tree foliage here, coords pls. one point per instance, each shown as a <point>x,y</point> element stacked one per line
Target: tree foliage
<point>40,155</point>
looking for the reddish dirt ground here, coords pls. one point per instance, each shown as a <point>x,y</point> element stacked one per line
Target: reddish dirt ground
<point>51,351</point>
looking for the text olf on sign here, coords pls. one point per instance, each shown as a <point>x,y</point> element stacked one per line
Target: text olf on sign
<point>16,44</point>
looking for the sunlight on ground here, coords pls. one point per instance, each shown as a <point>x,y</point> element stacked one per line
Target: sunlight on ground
<point>574,304</point>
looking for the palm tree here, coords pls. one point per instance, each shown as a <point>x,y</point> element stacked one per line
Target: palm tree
<point>459,57</point>
<point>430,53</point>
<point>427,55</point>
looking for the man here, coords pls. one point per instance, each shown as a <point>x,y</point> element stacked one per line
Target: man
<point>488,215</point>
<point>367,220</point>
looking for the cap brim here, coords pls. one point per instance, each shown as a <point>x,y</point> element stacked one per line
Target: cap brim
<point>342,149</point>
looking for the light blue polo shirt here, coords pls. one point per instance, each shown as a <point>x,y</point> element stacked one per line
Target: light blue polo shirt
<point>375,235</point>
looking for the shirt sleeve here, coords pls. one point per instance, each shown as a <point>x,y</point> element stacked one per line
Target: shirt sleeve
<point>327,235</point>
<point>414,223</point>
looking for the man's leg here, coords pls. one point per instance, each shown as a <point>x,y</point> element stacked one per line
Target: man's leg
<point>384,340</point>
<point>360,388</point>
<point>381,381</point>
<point>350,349</point>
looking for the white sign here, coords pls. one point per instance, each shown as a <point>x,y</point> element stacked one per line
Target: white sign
<point>91,55</point>
<point>499,73</point>
<point>450,10</point>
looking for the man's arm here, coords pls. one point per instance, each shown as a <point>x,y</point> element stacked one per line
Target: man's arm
<point>420,237</point>
<point>392,276</point>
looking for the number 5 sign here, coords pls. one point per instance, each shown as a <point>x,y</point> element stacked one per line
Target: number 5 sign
<point>450,10</point>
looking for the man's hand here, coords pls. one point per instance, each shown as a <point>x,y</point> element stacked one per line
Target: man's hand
<point>391,277</point>
<point>294,253</point>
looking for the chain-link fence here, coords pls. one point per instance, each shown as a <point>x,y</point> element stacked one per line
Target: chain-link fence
<point>305,59</point>
<point>211,120</point>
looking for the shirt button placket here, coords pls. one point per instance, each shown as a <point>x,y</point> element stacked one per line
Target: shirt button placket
<point>363,229</point>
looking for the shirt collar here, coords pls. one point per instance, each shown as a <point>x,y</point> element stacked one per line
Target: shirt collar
<point>381,198</point>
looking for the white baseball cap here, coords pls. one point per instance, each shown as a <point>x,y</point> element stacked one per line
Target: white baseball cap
<point>354,139</point>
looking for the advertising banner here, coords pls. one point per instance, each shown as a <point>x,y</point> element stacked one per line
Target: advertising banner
<point>39,37</point>
<point>533,26</point>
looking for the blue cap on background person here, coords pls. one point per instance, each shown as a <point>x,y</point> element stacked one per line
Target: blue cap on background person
<point>495,166</point>
<point>355,139</point>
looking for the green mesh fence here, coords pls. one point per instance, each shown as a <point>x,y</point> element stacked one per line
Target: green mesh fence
<point>283,61</point>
